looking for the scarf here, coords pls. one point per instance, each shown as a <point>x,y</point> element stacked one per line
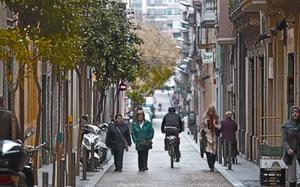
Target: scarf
<point>292,125</point>
<point>211,124</point>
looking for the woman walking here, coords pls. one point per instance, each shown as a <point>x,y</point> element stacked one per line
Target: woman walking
<point>209,127</point>
<point>228,130</point>
<point>291,143</point>
<point>118,139</point>
<point>142,135</point>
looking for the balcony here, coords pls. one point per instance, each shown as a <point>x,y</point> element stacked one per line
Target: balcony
<point>286,5</point>
<point>253,5</point>
<point>208,17</point>
<point>233,6</point>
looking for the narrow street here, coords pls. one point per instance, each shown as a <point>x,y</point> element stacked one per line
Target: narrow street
<point>191,171</point>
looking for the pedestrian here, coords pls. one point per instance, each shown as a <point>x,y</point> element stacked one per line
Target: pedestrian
<point>118,139</point>
<point>209,127</point>
<point>172,125</point>
<point>9,127</point>
<point>142,135</point>
<point>228,130</point>
<point>291,143</point>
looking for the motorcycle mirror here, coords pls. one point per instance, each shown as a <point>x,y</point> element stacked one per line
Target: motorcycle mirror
<point>85,117</point>
<point>29,132</point>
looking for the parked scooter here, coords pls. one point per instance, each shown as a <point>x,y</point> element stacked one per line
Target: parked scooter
<point>93,141</point>
<point>15,164</point>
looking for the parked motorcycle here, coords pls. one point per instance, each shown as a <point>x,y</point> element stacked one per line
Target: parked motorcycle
<point>94,138</point>
<point>15,164</point>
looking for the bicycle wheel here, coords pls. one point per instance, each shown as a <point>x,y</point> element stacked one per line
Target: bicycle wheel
<point>172,155</point>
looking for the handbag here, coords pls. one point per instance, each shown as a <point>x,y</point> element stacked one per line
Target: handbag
<point>146,144</point>
<point>125,142</point>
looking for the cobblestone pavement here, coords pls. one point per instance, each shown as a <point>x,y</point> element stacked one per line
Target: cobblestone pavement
<point>191,171</point>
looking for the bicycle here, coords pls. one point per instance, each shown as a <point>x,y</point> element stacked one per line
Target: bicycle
<point>171,141</point>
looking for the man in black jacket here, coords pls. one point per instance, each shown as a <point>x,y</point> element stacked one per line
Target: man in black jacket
<point>172,125</point>
<point>9,127</point>
<point>118,135</point>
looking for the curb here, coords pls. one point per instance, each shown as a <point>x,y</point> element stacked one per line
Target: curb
<point>96,178</point>
<point>230,178</point>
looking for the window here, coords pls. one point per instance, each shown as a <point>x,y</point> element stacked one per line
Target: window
<point>170,25</point>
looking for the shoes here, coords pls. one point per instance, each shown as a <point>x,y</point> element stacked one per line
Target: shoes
<point>143,169</point>
<point>118,170</point>
<point>212,170</point>
<point>177,159</point>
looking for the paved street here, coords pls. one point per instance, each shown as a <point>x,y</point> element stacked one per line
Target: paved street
<point>191,171</point>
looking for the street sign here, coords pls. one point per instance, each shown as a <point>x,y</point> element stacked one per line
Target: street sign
<point>272,177</point>
<point>122,86</point>
<point>207,57</point>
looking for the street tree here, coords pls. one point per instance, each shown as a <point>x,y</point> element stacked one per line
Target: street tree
<point>51,27</point>
<point>109,44</point>
<point>158,54</point>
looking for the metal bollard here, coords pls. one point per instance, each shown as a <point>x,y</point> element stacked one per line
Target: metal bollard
<point>73,172</point>
<point>220,153</point>
<point>84,163</point>
<point>62,172</point>
<point>45,179</point>
<point>92,157</point>
<point>229,155</point>
<point>225,152</point>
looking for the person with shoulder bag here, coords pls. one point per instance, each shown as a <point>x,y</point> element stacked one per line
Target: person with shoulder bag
<point>291,143</point>
<point>142,135</point>
<point>118,139</point>
<point>209,128</point>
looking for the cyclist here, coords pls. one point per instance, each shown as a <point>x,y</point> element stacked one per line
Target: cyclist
<point>172,125</point>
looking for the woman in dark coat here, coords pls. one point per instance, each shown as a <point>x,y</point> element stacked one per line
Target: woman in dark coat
<point>142,135</point>
<point>291,141</point>
<point>228,130</point>
<point>118,135</point>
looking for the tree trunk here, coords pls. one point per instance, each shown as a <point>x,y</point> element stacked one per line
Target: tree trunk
<point>12,90</point>
<point>100,105</point>
<point>80,122</point>
<point>38,129</point>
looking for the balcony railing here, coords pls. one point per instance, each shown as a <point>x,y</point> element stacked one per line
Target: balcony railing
<point>209,9</point>
<point>233,5</point>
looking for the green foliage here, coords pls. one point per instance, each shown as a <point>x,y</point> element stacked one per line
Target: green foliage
<point>13,45</point>
<point>159,59</point>
<point>137,98</point>
<point>109,42</point>
<point>47,17</point>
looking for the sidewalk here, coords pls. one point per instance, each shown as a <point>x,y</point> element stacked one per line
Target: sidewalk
<point>92,177</point>
<point>244,173</point>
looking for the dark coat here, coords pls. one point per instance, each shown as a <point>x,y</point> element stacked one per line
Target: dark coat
<point>228,129</point>
<point>290,140</point>
<point>113,138</point>
<point>172,119</point>
<point>139,134</point>
<point>6,119</point>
